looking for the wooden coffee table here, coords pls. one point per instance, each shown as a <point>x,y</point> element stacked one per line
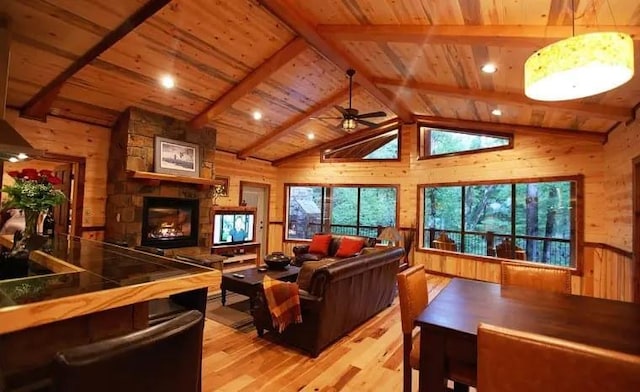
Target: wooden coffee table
<point>252,281</point>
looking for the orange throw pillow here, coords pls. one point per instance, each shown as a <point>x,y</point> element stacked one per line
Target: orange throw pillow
<point>349,247</point>
<point>320,244</point>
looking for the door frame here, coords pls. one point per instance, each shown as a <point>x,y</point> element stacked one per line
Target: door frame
<point>267,202</point>
<point>636,228</point>
<point>78,168</point>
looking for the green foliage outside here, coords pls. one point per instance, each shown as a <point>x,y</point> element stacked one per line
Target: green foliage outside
<point>445,141</point>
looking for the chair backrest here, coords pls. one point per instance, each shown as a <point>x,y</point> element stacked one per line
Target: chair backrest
<point>443,242</point>
<point>505,250</point>
<point>413,294</point>
<point>517,361</point>
<point>165,357</point>
<point>537,277</point>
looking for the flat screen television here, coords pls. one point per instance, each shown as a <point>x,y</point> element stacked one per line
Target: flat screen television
<point>233,227</point>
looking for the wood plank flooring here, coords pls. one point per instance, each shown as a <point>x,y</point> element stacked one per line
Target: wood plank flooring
<point>368,359</point>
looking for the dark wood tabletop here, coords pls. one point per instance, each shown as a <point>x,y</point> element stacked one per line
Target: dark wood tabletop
<point>250,281</point>
<point>449,324</point>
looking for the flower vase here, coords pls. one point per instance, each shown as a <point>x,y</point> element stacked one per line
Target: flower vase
<point>21,242</point>
<point>30,222</point>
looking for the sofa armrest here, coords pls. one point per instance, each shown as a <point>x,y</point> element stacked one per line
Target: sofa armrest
<point>300,249</point>
<point>309,302</point>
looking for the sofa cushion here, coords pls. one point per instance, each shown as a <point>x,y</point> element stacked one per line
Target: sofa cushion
<point>320,244</point>
<point>350,247</point>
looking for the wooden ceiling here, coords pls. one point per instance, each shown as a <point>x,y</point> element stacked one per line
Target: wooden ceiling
<point>91,59</point>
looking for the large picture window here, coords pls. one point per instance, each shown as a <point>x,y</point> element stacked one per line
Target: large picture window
<point>533,220</point>
<point>340,209</point>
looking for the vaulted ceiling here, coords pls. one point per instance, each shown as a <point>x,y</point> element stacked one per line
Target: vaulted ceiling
<point>415,59</point>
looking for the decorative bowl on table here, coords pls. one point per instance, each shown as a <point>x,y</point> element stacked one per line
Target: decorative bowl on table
<point>277,260</point>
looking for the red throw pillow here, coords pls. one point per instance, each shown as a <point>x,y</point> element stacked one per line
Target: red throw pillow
<point>320,244</point>
<point>349,247</point>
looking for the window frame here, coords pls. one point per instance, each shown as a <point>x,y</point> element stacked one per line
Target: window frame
<point>423,146</point>
<point>363,138</point>
<point>577,230</point>
<point>326,201</point>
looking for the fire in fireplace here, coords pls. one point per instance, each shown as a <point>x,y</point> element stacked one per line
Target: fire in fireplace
<point>169,222</point>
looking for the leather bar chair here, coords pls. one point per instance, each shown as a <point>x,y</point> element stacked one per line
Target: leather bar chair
<point>414,297</point>
<point>162,358</point>
<point>536,277</point>
<point>510,360</point>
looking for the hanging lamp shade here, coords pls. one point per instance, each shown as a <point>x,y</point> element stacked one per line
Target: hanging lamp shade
<point>579,66</point>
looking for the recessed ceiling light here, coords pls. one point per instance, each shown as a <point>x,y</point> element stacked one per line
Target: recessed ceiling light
<point>167,81</point>
<point>257,115</point>
<point>22,155</point>
<point>311,136</point>
<point>13,159</point>
<point>489,68</point>
<point>496,112</point>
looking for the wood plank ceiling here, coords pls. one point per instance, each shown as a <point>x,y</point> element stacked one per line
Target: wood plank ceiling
<point>286,58</point>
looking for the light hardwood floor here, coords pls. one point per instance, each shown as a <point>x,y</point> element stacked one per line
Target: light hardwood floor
<point>368,359</point>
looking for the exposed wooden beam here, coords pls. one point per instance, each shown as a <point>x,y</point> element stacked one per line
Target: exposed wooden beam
<point>503,36</point>
<point>40,104</point>
<point>583,109</point>
<point>288,12</point>
<point>510,128</point>
<point>350,138</point>
<point>293,123</point>
<point>259,75</point>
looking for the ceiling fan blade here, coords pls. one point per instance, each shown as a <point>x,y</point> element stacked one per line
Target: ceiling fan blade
<point>341,109</point>
<point>367,123</point>
<point>372,114</point>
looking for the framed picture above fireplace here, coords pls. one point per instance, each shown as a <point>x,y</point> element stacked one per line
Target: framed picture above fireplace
<point>176,157</point>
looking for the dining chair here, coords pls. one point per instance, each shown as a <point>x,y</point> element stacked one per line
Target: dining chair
<point>414,297</point>
<point>507,250</point>
<point>165,357</point>
<point>511,360</point>
<point>535,276</point>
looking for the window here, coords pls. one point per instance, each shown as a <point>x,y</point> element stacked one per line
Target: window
<point>527,220</point>
<point>436,142</point>
<point>341,209</point>
<point>380,147</point>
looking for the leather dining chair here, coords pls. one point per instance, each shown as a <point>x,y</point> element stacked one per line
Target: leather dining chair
<point>511,360</point>
<point>162,358</point>
<point>536,277</point>
<point>414,297</point>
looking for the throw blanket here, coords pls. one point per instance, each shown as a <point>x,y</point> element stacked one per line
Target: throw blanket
<point>283,301</point>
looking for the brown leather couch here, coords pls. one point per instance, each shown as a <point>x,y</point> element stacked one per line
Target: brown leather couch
<point>341,295</point>
<point>302,254</point>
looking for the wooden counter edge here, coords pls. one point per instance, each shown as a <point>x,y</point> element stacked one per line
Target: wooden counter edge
<point>15,318</point>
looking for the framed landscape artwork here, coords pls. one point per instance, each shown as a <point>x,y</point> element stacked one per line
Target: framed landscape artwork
<point>176,157</point>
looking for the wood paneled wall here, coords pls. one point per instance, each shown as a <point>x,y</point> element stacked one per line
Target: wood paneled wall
<point>622,147</point>
<point>68,137</point>
<point>607,274</point>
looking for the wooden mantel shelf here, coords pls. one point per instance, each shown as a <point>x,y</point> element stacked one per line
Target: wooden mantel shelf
<point>159,177</point>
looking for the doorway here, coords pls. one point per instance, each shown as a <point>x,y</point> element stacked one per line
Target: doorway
<point>636,230</point>
<point>257,195</point>
<point>71,170</point>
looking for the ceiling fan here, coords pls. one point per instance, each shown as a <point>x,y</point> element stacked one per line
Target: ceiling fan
<point>350,117</point>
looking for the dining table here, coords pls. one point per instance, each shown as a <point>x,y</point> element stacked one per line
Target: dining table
<point>449,324</point>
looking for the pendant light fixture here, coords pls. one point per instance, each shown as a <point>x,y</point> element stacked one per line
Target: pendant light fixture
<point>579,66</point>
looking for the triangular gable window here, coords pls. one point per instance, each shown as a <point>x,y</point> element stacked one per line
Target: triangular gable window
<point>437,142</point>
<point>380,147</point>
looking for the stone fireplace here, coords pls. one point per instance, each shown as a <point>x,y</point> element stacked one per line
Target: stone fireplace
<point>131,150</point>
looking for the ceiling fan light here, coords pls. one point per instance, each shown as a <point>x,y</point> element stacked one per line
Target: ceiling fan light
<point>349,124</point>
<point>579,66</point>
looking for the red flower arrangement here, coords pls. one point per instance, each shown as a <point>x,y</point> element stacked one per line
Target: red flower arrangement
<point>43,176</point>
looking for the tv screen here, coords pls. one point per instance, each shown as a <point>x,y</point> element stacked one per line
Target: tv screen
<point>232,228</point>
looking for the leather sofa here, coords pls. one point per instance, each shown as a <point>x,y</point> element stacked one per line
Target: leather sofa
<point>341,295</point>
<point>301,252</point>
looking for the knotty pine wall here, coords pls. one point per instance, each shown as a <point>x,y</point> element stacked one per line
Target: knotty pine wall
<point>74,138</point>
<point>606,274</point>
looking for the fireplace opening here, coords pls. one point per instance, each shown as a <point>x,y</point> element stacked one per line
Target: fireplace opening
<point>169,222</point>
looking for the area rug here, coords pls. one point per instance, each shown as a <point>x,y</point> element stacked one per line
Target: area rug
<point>235,314</point>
